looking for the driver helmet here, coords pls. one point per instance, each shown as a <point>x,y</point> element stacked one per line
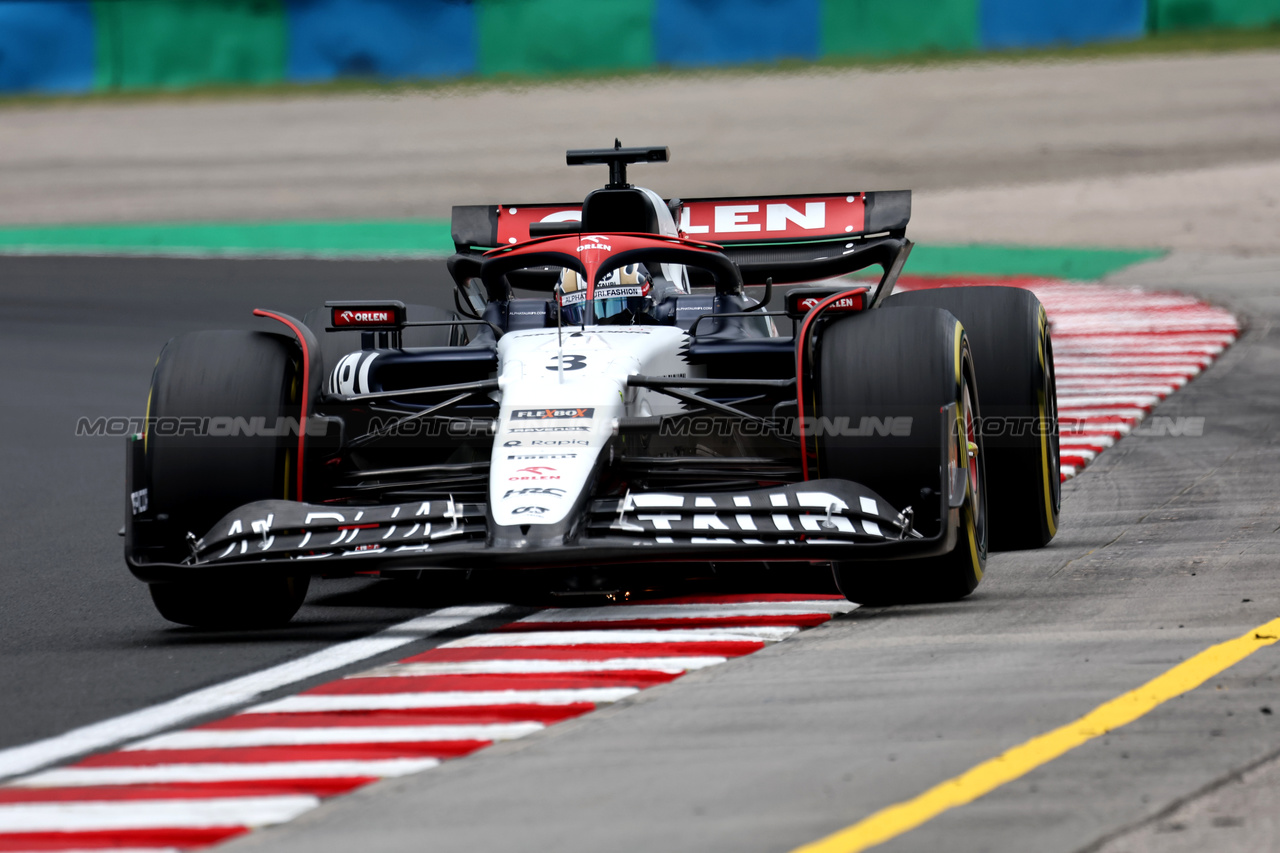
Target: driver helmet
<point>620,295</point>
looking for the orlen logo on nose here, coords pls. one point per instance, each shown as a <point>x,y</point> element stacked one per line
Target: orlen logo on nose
<point>535,472</point>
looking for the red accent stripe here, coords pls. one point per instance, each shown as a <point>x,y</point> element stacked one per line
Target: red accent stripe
<point>591,651</point>
<point>103,839</point>
<point>800,341</point>
<point>303,752</point>
<point>184,790</point>
<point>545,714</point>
<point>506,681</point>
<point>799,620</point>
<point>306,388</point>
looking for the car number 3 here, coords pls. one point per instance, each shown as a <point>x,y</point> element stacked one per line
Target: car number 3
<point>567,362</point>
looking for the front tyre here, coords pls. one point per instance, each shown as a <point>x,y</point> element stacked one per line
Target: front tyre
<point>896,363</point>
<point>243,386</point>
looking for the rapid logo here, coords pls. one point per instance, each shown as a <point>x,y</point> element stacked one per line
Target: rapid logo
<point>546,456</point>
<point>544,414</point>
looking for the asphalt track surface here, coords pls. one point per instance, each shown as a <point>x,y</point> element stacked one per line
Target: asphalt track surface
<point>79,639</point>
<point>1163,540</point>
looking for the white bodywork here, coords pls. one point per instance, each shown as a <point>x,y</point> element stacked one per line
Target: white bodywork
<point>546,445</point>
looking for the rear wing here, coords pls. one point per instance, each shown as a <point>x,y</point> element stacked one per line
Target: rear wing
<point>785,238</point>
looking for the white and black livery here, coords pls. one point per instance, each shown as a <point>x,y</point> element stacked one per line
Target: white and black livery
<point>623,383</point>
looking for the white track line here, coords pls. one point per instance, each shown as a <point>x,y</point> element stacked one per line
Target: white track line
<point>1132,398</point>
<point>736,634</point>
<point>1108,367</point>
<point>230,772</point>
<point>1078,386</point>
<point>231,738</point>
<point>1093,413</point>
<point>502,666</point>
<point>1086,441</point>
<point>238,691</point>
<point>153,814</point>
<point>458,699</point>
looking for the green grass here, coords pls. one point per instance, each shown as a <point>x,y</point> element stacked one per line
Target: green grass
<point>360,239</point>
<point>428,238</point>
<point>1202,42</point>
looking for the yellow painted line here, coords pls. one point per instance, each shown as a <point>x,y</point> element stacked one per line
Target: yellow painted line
<point>986,777</point>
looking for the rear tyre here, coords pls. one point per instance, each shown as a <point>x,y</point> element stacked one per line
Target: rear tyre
<point>906,362</point>
<point>1009,335</point>
<point>234,379</point>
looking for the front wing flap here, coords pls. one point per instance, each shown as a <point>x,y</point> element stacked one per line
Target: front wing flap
<point>813,521</point>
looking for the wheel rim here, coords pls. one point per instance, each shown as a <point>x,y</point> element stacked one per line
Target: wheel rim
<point>968,449</point>
<point>1051,411</point>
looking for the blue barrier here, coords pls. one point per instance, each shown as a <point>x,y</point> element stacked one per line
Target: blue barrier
<point>714,32</point>
<point>46,46</point>
<point>1035,23</point>
<point>380,38</point>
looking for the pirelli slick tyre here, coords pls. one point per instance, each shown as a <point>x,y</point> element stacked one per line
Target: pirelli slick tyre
<point>1009,335</point>
<point>236,391</point>
<point>880,368</point>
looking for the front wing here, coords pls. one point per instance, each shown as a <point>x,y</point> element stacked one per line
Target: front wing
<point>818,520</point>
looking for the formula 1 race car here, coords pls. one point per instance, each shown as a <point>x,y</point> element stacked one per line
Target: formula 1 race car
<point>606,396</point>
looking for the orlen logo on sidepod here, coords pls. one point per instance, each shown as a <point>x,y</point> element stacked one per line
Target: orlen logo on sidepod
<point>358,318</point>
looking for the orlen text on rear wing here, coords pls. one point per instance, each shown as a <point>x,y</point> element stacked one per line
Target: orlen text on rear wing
<point>786,238</point>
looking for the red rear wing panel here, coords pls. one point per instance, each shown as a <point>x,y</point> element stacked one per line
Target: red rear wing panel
<point>727,221</point>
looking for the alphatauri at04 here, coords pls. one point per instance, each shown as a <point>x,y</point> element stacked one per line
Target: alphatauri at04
<point>606,395</point>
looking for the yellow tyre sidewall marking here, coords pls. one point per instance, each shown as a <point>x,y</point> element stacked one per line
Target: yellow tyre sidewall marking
<point>962,437</point>
<point>1051,523</point>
